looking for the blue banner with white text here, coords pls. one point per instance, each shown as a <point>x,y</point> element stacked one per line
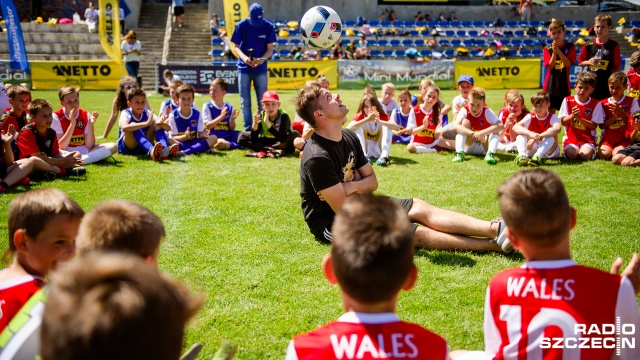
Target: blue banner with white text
<point>17,53</point>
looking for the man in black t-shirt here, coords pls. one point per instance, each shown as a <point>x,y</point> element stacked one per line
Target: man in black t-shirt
<point>333,167</point>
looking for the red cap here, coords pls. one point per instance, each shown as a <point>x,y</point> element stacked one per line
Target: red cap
<point>270,96</point>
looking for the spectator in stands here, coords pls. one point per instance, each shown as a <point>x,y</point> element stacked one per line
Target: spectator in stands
<point>452,16</point>
<point>525,10</point>
<point>383,15</point>
<point>253,43</point>
<point>362,52</point>
<point>228,54</point>
<point>419,16</point>
<point>392,16</point>
<point>91,18</point>
<point>214,25</point>
<point>297,53</point>
<point>427,17</point>
<point>336,51</point>
<point>178,13</point>
<point>168,77</point>
<point>442,17</point>
<point>350,53</point>
<point>366,30</point>
<point>131,51</point>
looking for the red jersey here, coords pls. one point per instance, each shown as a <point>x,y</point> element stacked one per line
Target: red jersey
<point>368,336</point>
<point>538,125</point>
<point>10,118</point>
<point>577,133</point>
<point>481,121</point>
<point>615,133</point>
<point>82,121</point>
<point>634,83</point>
<point>427,135</point>
<point>372,130</point>
<point>503,114</point>
<point>528,308</point>
<point>14,294</point>
<point>30,141</point>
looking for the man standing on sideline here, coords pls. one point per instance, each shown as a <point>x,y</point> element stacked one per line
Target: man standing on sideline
<point>252,42</point>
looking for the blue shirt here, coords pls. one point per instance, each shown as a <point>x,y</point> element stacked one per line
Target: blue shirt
<point>177,3</point>
<point>248,37</point>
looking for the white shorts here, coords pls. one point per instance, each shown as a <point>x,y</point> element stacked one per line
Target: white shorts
<point>475,355</point>
<point>83,150</point>
<point>507,147</point>
<point>577,148</point>
<point>476,149</point>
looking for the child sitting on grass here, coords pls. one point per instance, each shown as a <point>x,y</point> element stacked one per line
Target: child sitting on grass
<point>537,133</point>
<point>401,116</point>
<point>187,127</point>
<point>19,97</point>
<point>514,111</point>
<point>371,260</point>
<point>617,109</point>
<point>425,131</point>
<point>138,125</point>
<point>219,117</point>
<point>630,156</point>
<point>12,172</point>
<point>43,225</point>
<point>38,142</point>
<point>74,128</point>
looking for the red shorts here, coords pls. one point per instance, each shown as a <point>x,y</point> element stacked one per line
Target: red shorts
<point>297,126</point>
<point>615,145</point>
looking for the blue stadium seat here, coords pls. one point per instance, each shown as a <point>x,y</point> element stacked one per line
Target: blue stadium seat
<point>418,42</point>
<point>294,32</point>
<point>550,41</point>
<point>568,23</point>
<point>372,43</point>
<point>407,43</point>
<point>465,24</point>
<point>542,33</point>
<point>394,42</point>
<point>325,52</point>
<point>375,53</point>
<point>536,53</point>
<point>506,42</point>
<point>374,23</point>
<point>343,33</point>
<point>516,42</point>
<point>481,42</point>
<point>510,24</point>
<point>443,24</point>
<point>408,23</point>
<point>345,42</point>
<point>469,42</point>
<point>579,23</point>
<point>383,42</point>
<point>399,53</point>
<point>296,42</point>
<point>217,42</point>
<point>535,23</point>
<point>635,23</point>
<point>537,42</point>
<point>456,42</point>
<point>385,23</point>
<point>387,53</point>
<point>513,52</point>
<point>444,42</point>
<point>450,53</point>
<point>472,33</point>
<point>449,33</point>
<point>284,52</point>
<point>349,23</point>
<point>217,52</point>
<point>477,24</point>
<point>488,23</point>
<point>431,24</point>
<point>474,52</point>
<point>461,33</point>
<point>426,52</point>
<point>454,24</point>
<point>414,33</point>
<point>575,32</point>
<point>524,52</point>
<point>527,42</point>
<point>283,42</point>
<point>397,23</point>
<point>519,33</point>
<point>420,24</point>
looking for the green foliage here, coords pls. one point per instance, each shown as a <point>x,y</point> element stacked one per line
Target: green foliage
<point>236,234</point>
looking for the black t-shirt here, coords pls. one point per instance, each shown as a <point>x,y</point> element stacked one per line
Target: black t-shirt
<point>324,164</point>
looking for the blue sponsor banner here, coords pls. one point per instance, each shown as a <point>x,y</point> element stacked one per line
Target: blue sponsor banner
<point>17,53</point>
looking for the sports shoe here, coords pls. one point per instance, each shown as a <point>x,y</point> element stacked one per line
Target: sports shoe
<point>49,175</point>
<point>458,157</point>
<point>170,151</point>
<point>490,158</point>
<point>502,240</point>
<point>25,181</point>
<point>180,153</point>
<point>210,151</point>
<point>383,161</point>
<point>77,171</point>
<point>522,160</point>
<point>535,161</point>
<point>156,152</point>
<point>261,155</point>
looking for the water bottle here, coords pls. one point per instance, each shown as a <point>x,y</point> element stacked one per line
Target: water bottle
<point>598,54</point>
<point>251,54</point>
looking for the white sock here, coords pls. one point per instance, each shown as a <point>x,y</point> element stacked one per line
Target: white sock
<point>422,149</point>
<point>494,140</point>
<point>363,142</point>
<point>521,142</point>
<point>545,146</point>
<point>96,155</point>
<point>461,139</point>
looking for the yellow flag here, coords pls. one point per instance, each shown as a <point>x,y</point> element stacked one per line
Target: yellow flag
<point>109,28</point>
<point>234,11</point>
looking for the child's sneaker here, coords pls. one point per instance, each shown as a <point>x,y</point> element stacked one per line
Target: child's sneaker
<point>522,160</point>
<point>490,158</point>
<point>502,240</point>
<point>458,157</point>
<point>535,161</point>
<point>25,181</point>
<point>156,152</point>
<point>77,171</point>
<point>170,151</point>
<point>383,161</point>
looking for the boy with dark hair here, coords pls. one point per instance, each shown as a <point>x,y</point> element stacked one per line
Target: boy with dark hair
<point>187,127</point>
<point>601,55</point>
<point>372,261</point>
<point>630,156</point>
<point>537,310</point>
<point>617,109</point>
<point>558,58</point>
<point>19,97</point>
<point>38,141</point>
<point>580,114</point>
<point>537,133</point>
<point>114,306</point>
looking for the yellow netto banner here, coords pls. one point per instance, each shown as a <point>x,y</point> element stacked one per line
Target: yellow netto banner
<point>285,75</point>
<point>109,28</point>
<point>234,11</point>
<point>496,74</point>
<point>87,75</point>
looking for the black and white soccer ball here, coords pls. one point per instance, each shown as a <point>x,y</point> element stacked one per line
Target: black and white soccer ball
<point>321,27</point>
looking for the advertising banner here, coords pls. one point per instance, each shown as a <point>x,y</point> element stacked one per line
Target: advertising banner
<point>356,74</point>
<point>18,62</point>
<point>498,74</point>
<point>9,75</point>
<point>286,75</point>
<point>201,76</point>
<point>234,11</point>
<point>109,28</point>
<point>87,75</point>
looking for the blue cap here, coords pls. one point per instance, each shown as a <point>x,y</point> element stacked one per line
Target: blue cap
<point>255,15</point>
<point>466,78</point>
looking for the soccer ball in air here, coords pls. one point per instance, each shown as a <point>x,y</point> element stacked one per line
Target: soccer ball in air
<point>321,27</point>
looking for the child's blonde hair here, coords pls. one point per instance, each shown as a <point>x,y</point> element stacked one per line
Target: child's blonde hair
<point>604,18</point>
<point>37,105</point>
<point>33,210</point>
<point>388,85</point>
<point>555,24</point>
<point>505,100</point>
<point>477,93</point>
<point>185,88</point>
<point>221,82</point>
<point>369,89</point>
<point>66,90</point>
<point>176,84</point>
<point>618,78</point>
<point>424,84</point>
<point>514,95</point>
<point>587,78</point>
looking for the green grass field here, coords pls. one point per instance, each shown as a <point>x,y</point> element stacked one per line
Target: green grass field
<point>236,235</point>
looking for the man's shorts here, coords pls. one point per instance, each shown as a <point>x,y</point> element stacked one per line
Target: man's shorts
<point>610,145</point>
<point>178,10</point>
<point>323,232</point>
<point>632,150</point>
<point>3,170</point>
<point>556,101</point>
